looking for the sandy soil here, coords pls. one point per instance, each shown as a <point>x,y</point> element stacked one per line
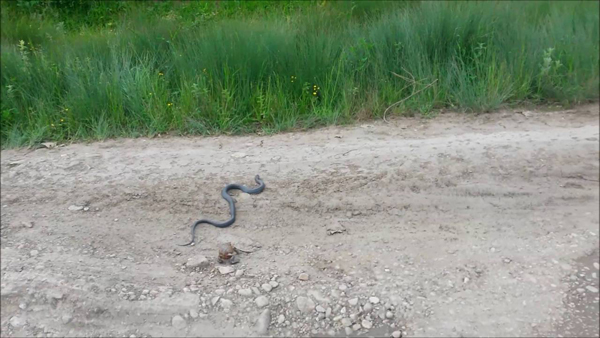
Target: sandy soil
<point>455,226</point>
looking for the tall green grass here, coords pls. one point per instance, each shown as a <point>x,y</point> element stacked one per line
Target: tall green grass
<point>291,67</point>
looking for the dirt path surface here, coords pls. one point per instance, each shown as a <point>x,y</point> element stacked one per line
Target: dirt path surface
<point>456,226</point>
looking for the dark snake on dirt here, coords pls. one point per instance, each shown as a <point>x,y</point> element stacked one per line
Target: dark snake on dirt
<point>227,197</point>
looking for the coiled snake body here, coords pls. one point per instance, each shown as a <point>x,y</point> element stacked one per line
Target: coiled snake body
<point>227,197</point>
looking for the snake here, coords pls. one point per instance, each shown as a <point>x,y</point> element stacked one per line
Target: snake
<point>227,197</point>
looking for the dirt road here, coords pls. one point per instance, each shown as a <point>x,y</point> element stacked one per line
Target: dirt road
<point>455,226</point>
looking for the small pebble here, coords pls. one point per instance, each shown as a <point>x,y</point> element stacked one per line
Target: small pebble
<point>178,322</point>
<point>346,322</point>
<point>353,301</point>
<point>245,292</point>
<point>368,307</point>
<point>348,330</point>
<point>33,253</point>
<point>356,327</point>
<point>226,269</point>
<point>303,276</point>
<point>320,308</point>
<point>280,319</point>
<point>396,334</point>
<point>66,319</point>
<point>226,303</point>
<point>591,289</point>
<point>239,273</point>
<point>343,287</point>
<point>22,306</point>
<point>274,284</point>
<point>597,266</point>
<point>389,315</point>
<point>193,313</point>
<point>261,301</point>
<point>374,300</point>
<point>366,324</point>
<point>267,287</point>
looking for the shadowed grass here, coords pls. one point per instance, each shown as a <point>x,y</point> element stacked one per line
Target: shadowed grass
<point>299,66</point>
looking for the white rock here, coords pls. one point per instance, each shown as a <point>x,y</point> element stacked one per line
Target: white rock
<point>214,300</point>
<point>54,294</point>
<point>239,273</point>
<point>17,321</point>
<point>261,301</point>
<point>263,322</point>
<point>348,330</point>
<point>280,319</point>
<point>33,253</point>
<point>374,300</point>
<point>178,322</point>
<point>226,269</point>
<point>193,313</point>
<point>591,289</point>
<point>328,312</point>
<point>66,318</point>
<point>356,327</point>
<point>320,309</point>
<point>597,266</point>
<point>199,261</point>
<point>267,287</point>
<point>368,307</point>
<point>396,334</point>
<point>389,315</point>
<point>245,292</point>
<point>304,304</point>
<point>255,290</point>
<point>22,306</point>
<point>343,287</point>
<point>303,276</point>
<point>346,322</point>
<point>366,324</point>
<point>274,284</point>
<point>226,303</point>
<point>219,291</point>
<point>353,301</point>
<point>75,208</point>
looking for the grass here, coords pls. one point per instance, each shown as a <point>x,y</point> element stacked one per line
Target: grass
<point>194,68</point>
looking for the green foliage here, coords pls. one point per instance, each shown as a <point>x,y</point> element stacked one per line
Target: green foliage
<point>93,69</point>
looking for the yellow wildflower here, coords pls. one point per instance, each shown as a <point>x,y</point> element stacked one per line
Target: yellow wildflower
<point>160,74</point>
